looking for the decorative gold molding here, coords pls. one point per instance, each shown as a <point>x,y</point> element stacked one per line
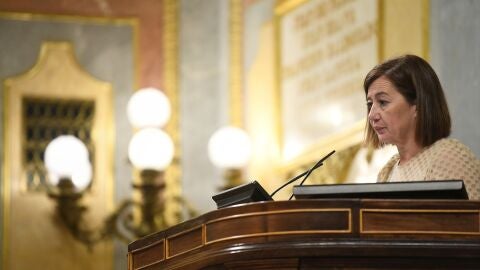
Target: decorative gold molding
<point>380,34</point>
<point>129,261</point>
<point>287,5</point>
<point>276,85</point>
<point>409,21</point>
<point>115,21</point>
<point>6,187</point>
<point>21,16</point>
<point>236,67</point>
<point>426,29</point>
<point>171,88</point>
<point>350,137</point>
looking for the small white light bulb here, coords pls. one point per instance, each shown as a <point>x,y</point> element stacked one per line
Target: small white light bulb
<point>151,148</point>
<point>148,107</point>
<point>229,148</point>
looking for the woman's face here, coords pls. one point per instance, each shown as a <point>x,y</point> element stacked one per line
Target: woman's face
<point>390,115</point>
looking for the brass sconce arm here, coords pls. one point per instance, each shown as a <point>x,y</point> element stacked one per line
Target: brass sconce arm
<point>71,211</point>
<point>122,222</point>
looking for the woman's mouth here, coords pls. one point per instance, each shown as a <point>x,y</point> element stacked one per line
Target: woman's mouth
<point>380,130</point>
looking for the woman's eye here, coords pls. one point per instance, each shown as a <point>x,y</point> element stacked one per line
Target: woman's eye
<point>383,103</point>
<point>369,104</point>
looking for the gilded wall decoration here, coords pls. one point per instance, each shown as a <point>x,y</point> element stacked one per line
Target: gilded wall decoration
<point>173,198</point>
<point>55,84</point>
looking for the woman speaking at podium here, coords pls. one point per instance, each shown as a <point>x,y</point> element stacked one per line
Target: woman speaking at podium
<point>407,108</point>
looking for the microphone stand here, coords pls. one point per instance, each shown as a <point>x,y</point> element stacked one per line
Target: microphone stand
<point>306,174</point>
<point>318,164</point>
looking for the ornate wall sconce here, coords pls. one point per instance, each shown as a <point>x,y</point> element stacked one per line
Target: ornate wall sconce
<point>69,173</point>
<point>229,149</point>
<point>150,150</point>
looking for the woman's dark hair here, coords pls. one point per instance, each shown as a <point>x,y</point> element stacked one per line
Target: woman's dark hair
<point>416,80</point>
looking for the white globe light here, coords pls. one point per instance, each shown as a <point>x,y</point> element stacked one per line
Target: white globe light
<point>148,107</point>
<point>229,148</point>
<point>81,177</point>
<point>151,148</point>
<point>67,157</point>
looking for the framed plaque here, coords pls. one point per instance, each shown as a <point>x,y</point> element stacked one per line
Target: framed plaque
<point>325,49</point>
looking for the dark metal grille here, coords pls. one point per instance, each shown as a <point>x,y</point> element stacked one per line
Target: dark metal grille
<point>45,119</point>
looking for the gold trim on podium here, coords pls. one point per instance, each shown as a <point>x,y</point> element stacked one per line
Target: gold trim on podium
<point>416,211</point>
<point>317,235</point>
<point>293,232</point>
<point>202,243</point>
<point>204,237</point>
<point>131,256</point>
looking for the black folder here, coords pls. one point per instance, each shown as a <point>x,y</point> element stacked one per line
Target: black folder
<point>444,189</point>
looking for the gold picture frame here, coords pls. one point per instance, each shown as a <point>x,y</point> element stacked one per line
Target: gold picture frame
<point>324,49</point>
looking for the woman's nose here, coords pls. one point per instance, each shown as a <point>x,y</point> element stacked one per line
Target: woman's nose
<point>373,114</point>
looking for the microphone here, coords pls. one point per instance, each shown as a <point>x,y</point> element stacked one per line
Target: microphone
<point>318,164</point>
<point>306,174</point>
<point>254,192</point>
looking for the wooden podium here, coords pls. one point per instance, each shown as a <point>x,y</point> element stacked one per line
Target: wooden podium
<point>320,234</point>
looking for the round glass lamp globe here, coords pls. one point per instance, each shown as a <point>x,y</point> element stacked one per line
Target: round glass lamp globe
<point>148,107</point>
<point>81,178</point>
<point>151,148</point>
<point>66,156</point>
<point>229,148</point>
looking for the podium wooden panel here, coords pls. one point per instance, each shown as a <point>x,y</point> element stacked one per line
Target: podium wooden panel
<point>320,234</point>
